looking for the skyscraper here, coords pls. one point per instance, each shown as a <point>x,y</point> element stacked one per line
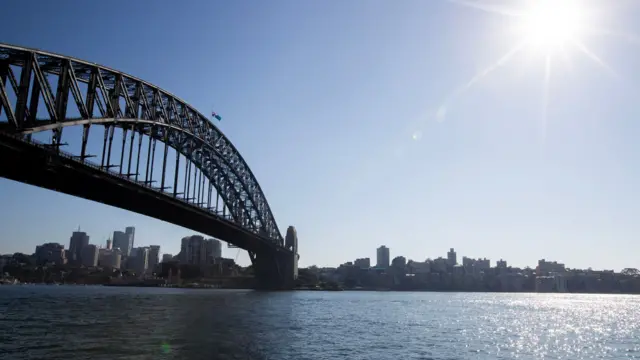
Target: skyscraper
<point>167,258</point>
<point>363,263</point>
<point>452,258</point>
<point>121,241</point>
<point>213,250</point>
<point>382,259</point>
<point>109,258</point>
<point>108,244</point>
<point>153,257</point>
<point>131,232</point>
<point>141,260</point>
<point>78,240</point>
<point>50,253</point>
<point>89,255</point>
<point>196,250</point>
<point>191,249</point>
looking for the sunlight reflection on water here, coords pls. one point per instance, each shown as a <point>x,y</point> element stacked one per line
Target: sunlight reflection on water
<point>128,323</point>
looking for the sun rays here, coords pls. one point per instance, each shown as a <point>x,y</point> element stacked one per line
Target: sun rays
<point>548,29</point>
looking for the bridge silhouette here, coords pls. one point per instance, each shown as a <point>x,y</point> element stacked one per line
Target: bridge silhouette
<point>215,193</point>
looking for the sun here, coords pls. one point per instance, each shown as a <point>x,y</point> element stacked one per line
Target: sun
<point>541,27</point>
<point>550,24</point>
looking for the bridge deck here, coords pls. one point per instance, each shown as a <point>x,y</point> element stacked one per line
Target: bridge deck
<point>33,164</point>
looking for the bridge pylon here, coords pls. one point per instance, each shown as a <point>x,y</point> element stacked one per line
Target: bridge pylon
<point>277,269</point>
<point>274,270</point>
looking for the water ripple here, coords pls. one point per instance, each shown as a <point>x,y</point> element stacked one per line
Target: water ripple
<point>62,322</point>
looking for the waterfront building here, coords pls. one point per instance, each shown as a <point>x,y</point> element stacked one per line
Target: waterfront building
<point>363,263</point>
<point>416,267</point>
<point>78,240</point>
<point>89,257</point>
<point>440,265</point>
<point>546,267</point>
<point>196,250</point>
<point>399,262</point>
<point>50,253</point>
<point>167,258</point>
<point>122,241</point>
<point>154,257</point>
<point>131,233</point>
<point>382,258</point>
<point>452,258</point>
<point>212,251</point>
<point>109,258</point>
<point>140,263</point>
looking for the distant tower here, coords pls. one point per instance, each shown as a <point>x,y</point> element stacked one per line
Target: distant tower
<point>452,258</point>
<point>154,257</point>
<point>109,244</point>
<point>382,257</point>
<point>121,241</point>
<point>77,241</point>
<point>131,232</point>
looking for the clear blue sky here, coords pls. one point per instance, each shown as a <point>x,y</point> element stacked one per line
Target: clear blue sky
<point>339,109</point>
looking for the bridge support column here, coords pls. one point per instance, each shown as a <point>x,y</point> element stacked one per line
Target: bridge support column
<point>275,270</point>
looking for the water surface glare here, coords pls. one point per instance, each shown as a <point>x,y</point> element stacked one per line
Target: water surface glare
<point>66,322</point>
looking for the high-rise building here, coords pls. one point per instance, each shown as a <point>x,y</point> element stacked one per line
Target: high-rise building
<point>212,251</point>
<point>545,267</point>
<point>50,253</point>
<point>109,258</point>
<point>167,258</point>
<point>89,255</point>
<point>363,263</point>
<point>475,264</point>
<point>154,257</point>
<point>116,259</point>
<point>191,249</point>
<point>196,250</point>
<point>131,232</point>
<point>78,241</point>
<point>4,260</point>
<point>399,262</point>
<point>141,260</point>
<point>416,267</point>
<point>109,244</point>
<point>382,259</point>
<point>121,241</point>
<point>217,248</point>
<point>452,258</point>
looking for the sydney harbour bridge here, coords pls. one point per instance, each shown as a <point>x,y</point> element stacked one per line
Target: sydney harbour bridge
<point>130,144</point>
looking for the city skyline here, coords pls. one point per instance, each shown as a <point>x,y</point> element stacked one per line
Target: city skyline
<point>109,242</point>
<point>413,125</point>
<point>174,245</point>
<point>383,258</point>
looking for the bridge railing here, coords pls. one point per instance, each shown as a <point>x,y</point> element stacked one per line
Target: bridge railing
<point>58,152</point>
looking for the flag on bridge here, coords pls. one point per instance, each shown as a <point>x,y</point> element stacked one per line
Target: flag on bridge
<point>216,116</point>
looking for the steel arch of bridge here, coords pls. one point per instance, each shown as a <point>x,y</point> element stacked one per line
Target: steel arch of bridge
<point>148,110</point>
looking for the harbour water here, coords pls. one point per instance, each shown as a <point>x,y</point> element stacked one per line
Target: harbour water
<point>67,322</point>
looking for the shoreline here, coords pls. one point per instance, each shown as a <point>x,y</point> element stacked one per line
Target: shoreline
<point>309,289</point>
